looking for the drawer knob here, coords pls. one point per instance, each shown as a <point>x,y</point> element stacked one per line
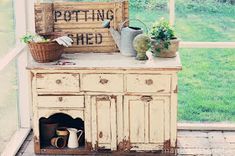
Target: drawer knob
<point>149,82</point>
<point>58,81</point>
<point>60,99</point>
<point>101,135</point>
<point>146,98</point>
<point>104,81</point>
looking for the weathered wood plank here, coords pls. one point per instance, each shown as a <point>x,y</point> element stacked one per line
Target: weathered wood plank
<point>230,139</point>
<point>195,134</point>
<point>202,143</point>
<point>190,151</point>
<point>223,152</point>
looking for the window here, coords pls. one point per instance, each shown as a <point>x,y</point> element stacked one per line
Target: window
<point>206,85</point>
<point>8,77</point>
<point>147,11</point>
<point>13,76</point>
<point>205,20</point>
<point>8,103</point>
<point>7,26</point>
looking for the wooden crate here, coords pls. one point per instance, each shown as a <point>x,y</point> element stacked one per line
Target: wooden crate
<point>82,21</point>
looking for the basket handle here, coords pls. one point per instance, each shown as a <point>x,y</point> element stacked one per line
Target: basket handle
<point>121,25</point>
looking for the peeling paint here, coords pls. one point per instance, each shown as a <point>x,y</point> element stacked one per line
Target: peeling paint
<point>37,147</point>
<point>167,147</point>
<point>125,145</point>
<point>39,76</point>
<point>88,146</point>
<point>176,89</point>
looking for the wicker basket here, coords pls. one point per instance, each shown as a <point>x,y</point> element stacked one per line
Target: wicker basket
<point>46,52</point>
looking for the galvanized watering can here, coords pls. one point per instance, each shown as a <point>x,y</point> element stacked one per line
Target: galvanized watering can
<point>124,38</point>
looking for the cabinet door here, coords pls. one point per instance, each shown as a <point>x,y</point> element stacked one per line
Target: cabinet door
<point>104,120</point>
<point>146,122</point>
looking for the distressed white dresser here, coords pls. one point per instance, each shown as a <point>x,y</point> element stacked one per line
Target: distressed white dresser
<point>126,105</point>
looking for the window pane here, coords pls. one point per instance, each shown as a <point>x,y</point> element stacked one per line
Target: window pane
<point>8,104</point>
<point>7,28</point>
<point>207,85</point>
<point>205,20</point>
<point>148,11</point>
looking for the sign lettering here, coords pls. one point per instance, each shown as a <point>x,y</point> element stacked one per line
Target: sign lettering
<point>86,38</point>
<point>83,15</point>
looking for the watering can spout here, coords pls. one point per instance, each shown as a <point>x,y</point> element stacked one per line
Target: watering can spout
<point>106,24</point>
<point>115,34</point>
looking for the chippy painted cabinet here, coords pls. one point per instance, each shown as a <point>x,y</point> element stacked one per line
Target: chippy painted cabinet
<point>104,119</point>
<point>146,121</point>
<point>121,104</point>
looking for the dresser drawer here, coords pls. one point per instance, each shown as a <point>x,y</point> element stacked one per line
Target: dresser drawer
<point>148,83</point>
<point>61,101</point>
<point>102,82</point>
<point>58,82</point>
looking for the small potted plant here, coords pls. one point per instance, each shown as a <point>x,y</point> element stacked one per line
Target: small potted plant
<point>44,48</point>
<point>164,43</point>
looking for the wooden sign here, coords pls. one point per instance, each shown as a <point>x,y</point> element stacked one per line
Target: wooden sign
<point>82,21</point>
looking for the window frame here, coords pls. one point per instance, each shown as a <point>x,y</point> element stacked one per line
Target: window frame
<point>24,20</point>
<point>24,14</point>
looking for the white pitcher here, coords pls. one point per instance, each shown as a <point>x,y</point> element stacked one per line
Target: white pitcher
<point>73,139</point>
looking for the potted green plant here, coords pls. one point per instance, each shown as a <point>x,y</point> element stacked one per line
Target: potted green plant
<point>43,49</point>
<point>164,43</point>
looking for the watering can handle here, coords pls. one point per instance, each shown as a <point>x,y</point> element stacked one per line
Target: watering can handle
<point>121,25</point>
<point>81,132</point>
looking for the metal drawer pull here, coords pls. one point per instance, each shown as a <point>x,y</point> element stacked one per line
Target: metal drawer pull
<point>149,82</point>
<point>103,98</point>
<point>146,98</point>
<point>60,99</point>
<point>104,81</point>
<point>58,81</point>
<point>101,135</point>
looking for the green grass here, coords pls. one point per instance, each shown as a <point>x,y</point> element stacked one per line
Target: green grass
<point>207,82</point>
<point>206,85</point>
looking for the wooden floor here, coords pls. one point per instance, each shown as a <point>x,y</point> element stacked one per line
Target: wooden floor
<point>215,143</point>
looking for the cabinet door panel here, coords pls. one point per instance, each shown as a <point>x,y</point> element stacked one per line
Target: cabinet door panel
<point>145,121</point>
<point>104,122</point>
<point>103,109</point>
<point>156,118</point>
<point>137,120</point>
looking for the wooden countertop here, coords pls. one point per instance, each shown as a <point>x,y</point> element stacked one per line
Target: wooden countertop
<point>86,61</point>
